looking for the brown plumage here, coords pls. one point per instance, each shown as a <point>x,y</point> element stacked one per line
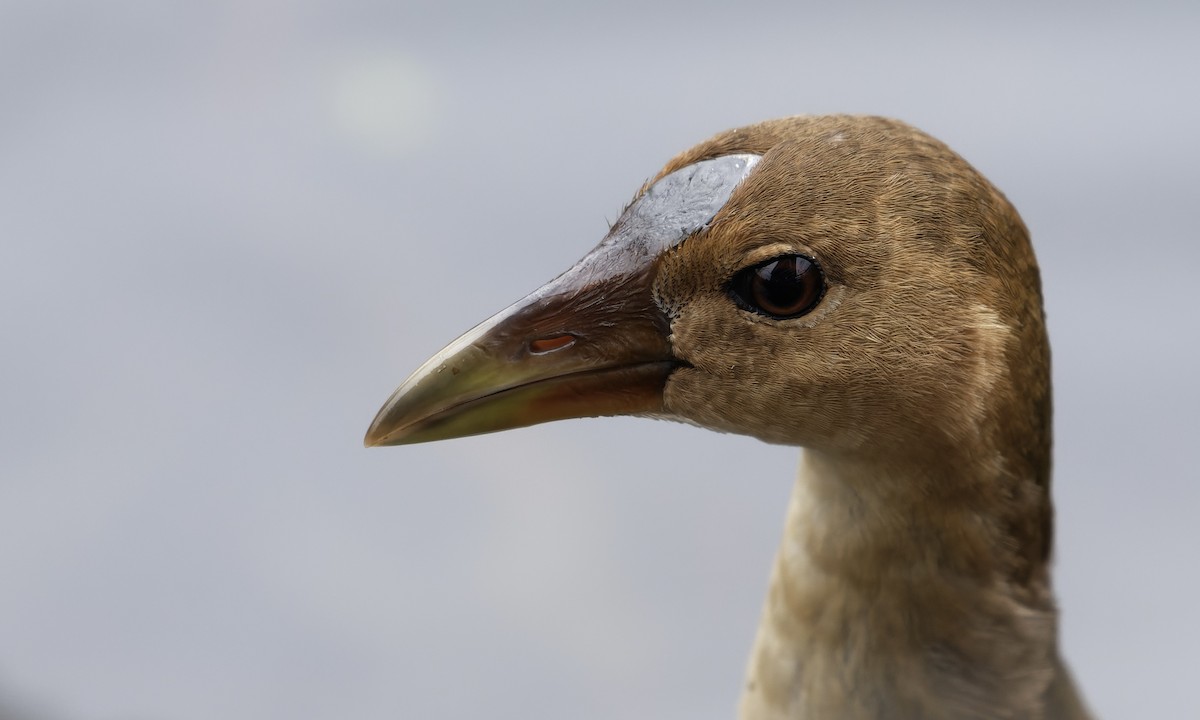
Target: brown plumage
<point>913,578</point>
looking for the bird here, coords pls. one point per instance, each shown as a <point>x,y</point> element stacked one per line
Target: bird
<point>852,286</point>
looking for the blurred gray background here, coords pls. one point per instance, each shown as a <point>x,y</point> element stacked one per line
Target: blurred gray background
<point>229,229</point>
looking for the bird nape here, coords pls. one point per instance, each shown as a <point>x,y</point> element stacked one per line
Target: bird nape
<point>852,286</point>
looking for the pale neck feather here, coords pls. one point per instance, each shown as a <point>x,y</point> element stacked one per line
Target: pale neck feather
<point>892,597</point>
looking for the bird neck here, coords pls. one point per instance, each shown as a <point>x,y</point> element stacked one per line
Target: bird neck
<point>905,589</point>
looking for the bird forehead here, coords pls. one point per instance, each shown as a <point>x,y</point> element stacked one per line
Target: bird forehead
<point>670,210</point>
<point>674,207</point>
<point>686,200</point>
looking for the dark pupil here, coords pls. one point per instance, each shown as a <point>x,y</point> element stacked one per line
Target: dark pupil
<point>784,286</point>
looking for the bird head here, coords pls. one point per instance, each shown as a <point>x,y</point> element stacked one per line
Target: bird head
<point>842,283</point>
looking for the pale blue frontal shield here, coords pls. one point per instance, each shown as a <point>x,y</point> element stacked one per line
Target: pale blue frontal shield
<point>683,202</point>
<point>672,209</point>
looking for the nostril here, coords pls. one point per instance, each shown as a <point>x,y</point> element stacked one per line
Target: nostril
<point>542,346</point>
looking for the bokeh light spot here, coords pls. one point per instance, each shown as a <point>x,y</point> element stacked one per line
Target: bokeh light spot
<point>384,102</point>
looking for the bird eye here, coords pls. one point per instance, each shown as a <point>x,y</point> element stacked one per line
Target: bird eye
<point>784,287</point>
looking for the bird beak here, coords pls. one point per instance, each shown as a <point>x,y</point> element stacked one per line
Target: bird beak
<point>590,343</point>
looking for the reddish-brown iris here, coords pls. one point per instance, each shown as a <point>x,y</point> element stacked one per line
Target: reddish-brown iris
<point>783,287</point>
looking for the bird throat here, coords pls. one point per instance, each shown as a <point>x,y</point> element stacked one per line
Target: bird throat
<point>885,601</point>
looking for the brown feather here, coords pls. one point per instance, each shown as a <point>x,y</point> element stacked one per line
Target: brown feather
<point>912,581</point>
